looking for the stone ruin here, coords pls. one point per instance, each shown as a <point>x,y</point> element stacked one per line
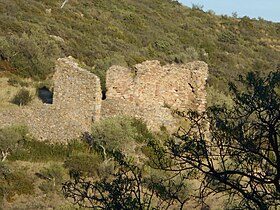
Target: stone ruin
<point>153,92</point>
<point>148,91</point>
<point>76,105</point>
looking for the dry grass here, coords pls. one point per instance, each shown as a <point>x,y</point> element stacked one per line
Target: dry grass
<point>273,43</point>
<point>40,199</point>
<point>7,92</point>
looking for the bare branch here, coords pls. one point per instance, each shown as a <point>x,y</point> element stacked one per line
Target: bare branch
<point>63,4</point>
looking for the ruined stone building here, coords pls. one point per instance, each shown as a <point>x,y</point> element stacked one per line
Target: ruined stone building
<point>148,91</point>
<point>152,92</point>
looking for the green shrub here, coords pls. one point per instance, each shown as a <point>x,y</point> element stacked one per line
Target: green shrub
<point>10,138</point>
<point>22,98</point>
<point>216,97</point>
<point>20,183</point>
<point>53,177</point>
<point>37,151</point>
<point>32,54</point>
<point>228,37</point>
<point>14,182</point>
<point>142,132</point>
<point>86,164</point>
<point>190,54</point>
<point>120,133</point>
<point>77,146</point>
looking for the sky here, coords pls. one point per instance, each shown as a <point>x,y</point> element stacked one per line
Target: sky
<point>266,9</point>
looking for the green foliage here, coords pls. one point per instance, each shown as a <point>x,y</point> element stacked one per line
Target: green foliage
<point>15,80</point>
<point>120,133</point>
<point>215,97</point>
<point>14,182</point>
<point>190,54</point>
<point>135,31</point>
<point>228,37</point>
<point>38,151</point>
<point>86,164</point>
<point>10,138</point>
<point>245,138</point>
<point>22,98</point>
<point>20,183</point>
<point>32,54</point>
<point>53,176</point>
<point>125,188</point>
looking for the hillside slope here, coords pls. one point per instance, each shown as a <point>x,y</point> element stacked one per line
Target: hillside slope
<point>102,33</point>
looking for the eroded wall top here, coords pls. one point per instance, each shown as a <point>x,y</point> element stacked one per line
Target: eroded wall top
<point>152,92</point>
<point>76,105</point>
<point>148,91</point>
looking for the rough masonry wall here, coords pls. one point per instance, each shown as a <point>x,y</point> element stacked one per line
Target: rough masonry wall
<point>77,103</point>
<point>76,91</point>
<point>148,91</point>
<point>152,92</point>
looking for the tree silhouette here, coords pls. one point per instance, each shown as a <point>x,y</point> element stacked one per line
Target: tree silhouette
<point>234,151</point>
<point>125,189</point>
<point>239,153</point>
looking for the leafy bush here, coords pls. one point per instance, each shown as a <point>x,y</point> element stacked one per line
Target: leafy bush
<point>22,98</point>
<point>32,54</point>
<point>36,151</point>
<point>10,138</point>
<point>86,164</point>
<point>53,176</point>
<point>119,133</point>
<point>190,54</point>
<point>228,37</point>
<point>216,97</point>
<point>14,182</point>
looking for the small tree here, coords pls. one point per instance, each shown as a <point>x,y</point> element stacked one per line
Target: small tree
<point>118,133</point>
<point>240,155</point>
<point>23,97</point>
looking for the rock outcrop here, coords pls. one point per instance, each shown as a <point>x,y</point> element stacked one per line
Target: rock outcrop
<point>148,91</point>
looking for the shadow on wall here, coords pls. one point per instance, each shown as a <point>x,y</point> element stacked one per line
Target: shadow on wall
<point>45,95</point>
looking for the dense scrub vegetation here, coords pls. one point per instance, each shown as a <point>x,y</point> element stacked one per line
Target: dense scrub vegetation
<point>120,164</point>
<point>102,33</point>
<point>30,168</point>
<point>234,152</point>
<point>33,34</point>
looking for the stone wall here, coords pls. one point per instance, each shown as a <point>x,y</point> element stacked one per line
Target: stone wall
<point>76,91</point>
<point>76,104</point>
<point>152,92</point>
<point>148,91</point>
